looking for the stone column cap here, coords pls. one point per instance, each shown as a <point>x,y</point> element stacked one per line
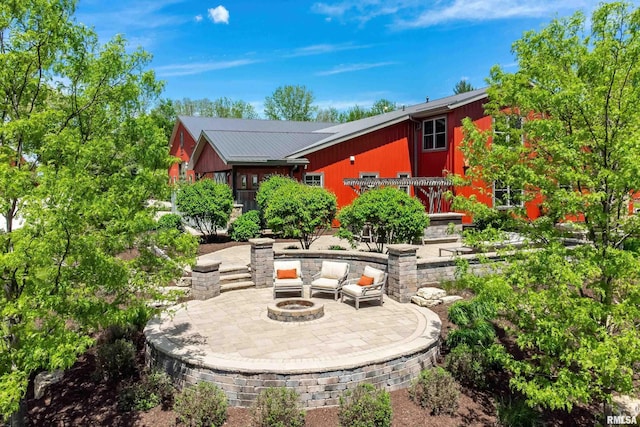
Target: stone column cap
<point>206,266</point>
<point>261,242</point>
<point>402,249</point>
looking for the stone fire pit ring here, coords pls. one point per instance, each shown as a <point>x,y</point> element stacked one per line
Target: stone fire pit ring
<point>295,310</point>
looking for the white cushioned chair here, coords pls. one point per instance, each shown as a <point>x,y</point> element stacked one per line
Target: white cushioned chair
<point>372,292</point>
<point>330,279</point>
<point>287,284</point>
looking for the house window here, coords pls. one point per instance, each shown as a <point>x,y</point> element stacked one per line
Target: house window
<point>181,139</point>
<point>508,128</point>
<point>368,175</point>
<point>314,179</point>
<point>182,170</point>
<point>243,182</point>
<point>434,134</point>
<point>254,181</point>
<point>405,188</point>
<point>505,196</point>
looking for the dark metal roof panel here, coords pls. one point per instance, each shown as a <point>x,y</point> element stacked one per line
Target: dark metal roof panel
<point>256,145</point>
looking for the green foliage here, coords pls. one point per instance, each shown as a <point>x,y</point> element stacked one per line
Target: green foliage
<point>337,248</point>
<point>221,107</point>
<point>245,227</point>
<point>164,116</point>
<point>202,404</point>
<point>153,389</point>
<point>473,319</point>
<point>266,190</point>
<point>171,221</point>
<point>573,312</point>
<point>468,365</point>
<point>300,211</point>
<point>514,412</point>
<point>116,360</point>
<point>463,86</point>
<point>435,390</point>
<point>290,103</point>
<point>394,216</point>
<point>207,204</point>
<point>365,406</point>
<point>79,160</point>
<point>278,407</point>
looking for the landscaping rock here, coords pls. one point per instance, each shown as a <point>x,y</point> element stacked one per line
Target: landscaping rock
<point>44,380</point>
<point>625,405</point>
<point>431,293</point>
<point>423,302</point>
<point>184,282</point>
<point>450,299</point>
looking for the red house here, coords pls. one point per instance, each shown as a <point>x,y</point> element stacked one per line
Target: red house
<point>417,141</point>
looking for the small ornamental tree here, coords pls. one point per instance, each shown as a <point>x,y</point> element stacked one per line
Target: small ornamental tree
<point>266,190</point>
<point>393,215</point>
<point>301,212</point>
<point>573,312</point>
<point>207,204</point>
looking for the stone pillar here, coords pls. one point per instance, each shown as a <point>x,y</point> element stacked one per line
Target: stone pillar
<point>205,280</point>
<point>262,262</point>
<point>403,274</point>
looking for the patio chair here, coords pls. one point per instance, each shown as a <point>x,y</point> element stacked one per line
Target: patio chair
<point>330,279</point>
<point>287,277</point>
<point>369,287</point>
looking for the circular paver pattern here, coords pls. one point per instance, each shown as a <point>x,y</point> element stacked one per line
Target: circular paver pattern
<point>233,333</point>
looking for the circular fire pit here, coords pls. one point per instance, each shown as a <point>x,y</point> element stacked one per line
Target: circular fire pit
<point>295,310</point>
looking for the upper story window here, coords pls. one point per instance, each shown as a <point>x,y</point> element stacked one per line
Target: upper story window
<point>507,129</point>
<point>314,179</point>
<point>434,134</point>
<point>181,139</point>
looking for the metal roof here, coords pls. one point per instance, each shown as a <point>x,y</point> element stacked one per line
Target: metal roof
<point>195,125</point>
<point>234,146</point>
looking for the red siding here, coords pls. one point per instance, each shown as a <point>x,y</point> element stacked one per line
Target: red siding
<point>385,151</point>
<point>183,153</point>
<point>209,161</point>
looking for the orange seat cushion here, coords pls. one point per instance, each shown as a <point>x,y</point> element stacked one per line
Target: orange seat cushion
<point>365,281</point>
<point>287,274</point>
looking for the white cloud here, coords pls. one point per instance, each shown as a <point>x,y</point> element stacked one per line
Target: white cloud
<point>198,68</point>
<point>219,15</point>
<point>348,68</point>
<point>408,14</point>
<point>320,49</point>
<point>197,18</point>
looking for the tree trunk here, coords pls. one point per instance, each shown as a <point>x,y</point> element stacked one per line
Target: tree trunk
<point>19,418</point>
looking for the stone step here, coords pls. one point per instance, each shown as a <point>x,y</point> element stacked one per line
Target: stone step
<point>233,269</point>
<point>232,278</point>
<point>236,286</point>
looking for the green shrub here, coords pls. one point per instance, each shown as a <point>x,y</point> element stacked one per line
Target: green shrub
<point>206,205</point>
<point>246,227</point>
<point>435,390</point>
<point>468,365</point>
<point>116,360</point>
<point>337,248</point>
<point>514,412</point>
<point>153,389</point>
<point>203,404</point>
<point>277,407</point>
<point>169,221</point>
<point>365,406</point>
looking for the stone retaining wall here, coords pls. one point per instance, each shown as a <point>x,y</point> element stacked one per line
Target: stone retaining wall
<point>316,389</point>
<point>437,270</point>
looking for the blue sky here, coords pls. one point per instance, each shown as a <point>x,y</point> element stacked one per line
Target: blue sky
<point>346,51</point>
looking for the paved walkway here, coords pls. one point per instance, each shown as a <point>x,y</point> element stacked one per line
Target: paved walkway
<point>241,255</point>
<point>233,333</point>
